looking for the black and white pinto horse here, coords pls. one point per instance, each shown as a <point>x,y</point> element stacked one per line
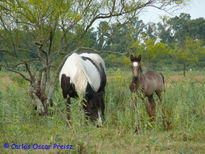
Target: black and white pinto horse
<point>84,75</point>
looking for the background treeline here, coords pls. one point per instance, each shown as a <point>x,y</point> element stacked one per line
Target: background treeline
<point>171,42</point>
<point>174,43</point>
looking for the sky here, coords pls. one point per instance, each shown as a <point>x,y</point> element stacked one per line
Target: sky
<point>196,8</point>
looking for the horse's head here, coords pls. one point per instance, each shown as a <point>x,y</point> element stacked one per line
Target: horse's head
<point>93,106</point>
<point>136,66</point>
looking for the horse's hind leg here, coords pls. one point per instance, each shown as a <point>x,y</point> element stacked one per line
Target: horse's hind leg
<point>68,109</point>
<point>158,92</point>
<point>147,107</point>
<point>153,107</point>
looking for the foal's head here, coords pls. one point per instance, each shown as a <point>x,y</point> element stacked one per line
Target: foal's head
<point>136,66</point>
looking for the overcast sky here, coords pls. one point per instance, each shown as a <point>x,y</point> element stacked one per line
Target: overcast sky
<point>196,8</point>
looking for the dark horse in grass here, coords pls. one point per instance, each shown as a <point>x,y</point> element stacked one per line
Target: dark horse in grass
<point>145,85</point>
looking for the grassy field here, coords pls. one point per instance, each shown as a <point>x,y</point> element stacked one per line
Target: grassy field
<point>179,125</point>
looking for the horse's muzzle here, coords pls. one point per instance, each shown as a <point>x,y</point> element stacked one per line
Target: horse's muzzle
<point>99,120</point>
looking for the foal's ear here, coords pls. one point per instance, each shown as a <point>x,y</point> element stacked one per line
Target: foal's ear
<point>132,58</point>
<point>139,58</point>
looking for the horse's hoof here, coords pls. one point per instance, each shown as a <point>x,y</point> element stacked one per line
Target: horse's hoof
<point>98,126</point>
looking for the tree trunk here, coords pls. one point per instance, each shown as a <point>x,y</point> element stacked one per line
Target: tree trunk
<point>184,69</point>
<point>40,99</point>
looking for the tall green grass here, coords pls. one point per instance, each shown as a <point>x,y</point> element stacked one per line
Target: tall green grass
<point>179,125</point>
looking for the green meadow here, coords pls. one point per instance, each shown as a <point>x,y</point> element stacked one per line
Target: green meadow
<point>179,125</point>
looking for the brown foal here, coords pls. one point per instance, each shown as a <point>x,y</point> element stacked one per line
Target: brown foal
<point>146,84</point>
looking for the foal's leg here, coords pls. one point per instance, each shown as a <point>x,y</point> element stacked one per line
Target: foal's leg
<point>134,98</point>
<point>153,107</point>
<point>147,107</point>
<point>158,92</point>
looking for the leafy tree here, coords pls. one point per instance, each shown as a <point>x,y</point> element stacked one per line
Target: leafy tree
<point>120,36</point>
<point>155,49</point>
<point>197,29</point>
<point>164,31</point>
<point>103,33</point>
<point>135,27</point>
<point>90,38</point>
<point>138,48</point>
<point>117,60</point>
<point>150,31</point>
<point>175,29</point>
<point>180,26</point>
<point>188,52</point>
<point>150,49</point>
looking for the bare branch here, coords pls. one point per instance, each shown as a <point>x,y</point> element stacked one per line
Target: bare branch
<point>17,72</point>
<point>160,8</point>
<point>40,46</point>
<point>99,52</point>
<point>29,71</point>
<point>44,83</point>
<point>8,52</point>
<point>40,76</point>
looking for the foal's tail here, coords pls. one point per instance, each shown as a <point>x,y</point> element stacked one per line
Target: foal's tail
<point>162,77</point>
<point>163,81</point>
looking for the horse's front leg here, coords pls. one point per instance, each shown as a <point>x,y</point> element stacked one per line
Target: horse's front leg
<point>102,107</point>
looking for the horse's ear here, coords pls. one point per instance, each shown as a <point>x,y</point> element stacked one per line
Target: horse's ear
<point>132,58</point>
<point>139,57</point>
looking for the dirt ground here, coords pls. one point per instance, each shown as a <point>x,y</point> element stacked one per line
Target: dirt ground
<point>181,77</point>
<point>5,81</point>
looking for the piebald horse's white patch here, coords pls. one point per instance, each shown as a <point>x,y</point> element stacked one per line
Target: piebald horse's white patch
<point>135,64</point>
<point>82,71</point>
<point>95,57</point>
